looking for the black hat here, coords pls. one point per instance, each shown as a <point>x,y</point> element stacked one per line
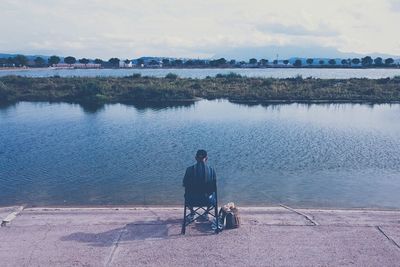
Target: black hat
<point>201,153</point>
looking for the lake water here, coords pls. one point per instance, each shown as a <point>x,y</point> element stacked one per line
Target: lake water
<point>202,73</point>
<point>337,155</point>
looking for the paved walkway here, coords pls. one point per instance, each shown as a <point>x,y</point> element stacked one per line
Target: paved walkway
<point>270,236</point>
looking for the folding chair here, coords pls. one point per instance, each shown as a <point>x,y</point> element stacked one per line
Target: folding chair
<point>201,206</point>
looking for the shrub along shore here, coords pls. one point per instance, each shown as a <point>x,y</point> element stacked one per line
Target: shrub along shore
<point>233,87</point>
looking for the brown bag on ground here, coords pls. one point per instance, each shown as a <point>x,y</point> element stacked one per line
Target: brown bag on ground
<point>230,216</point>
<point>232,219</point>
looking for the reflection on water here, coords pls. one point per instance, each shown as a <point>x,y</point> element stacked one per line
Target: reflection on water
<point>340,155</point>
<point>160,106</point>
<point>93,107</point>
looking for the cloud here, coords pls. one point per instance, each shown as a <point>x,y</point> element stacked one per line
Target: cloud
<point>125,28</point>
<point>277,28</point>
<point>394,5</point>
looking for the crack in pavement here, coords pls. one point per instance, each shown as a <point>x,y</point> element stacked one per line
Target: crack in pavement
<point>115,246</point>
<point>300,213</point>
<point>388,237</point>
<point>35,245</point>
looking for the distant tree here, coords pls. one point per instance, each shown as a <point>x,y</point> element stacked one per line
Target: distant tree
<point>378,61</point>
<point>53,60</point>
<point>20,60</point>
<point>39,62</point>
<point>3,62</point>
<point>178,62</point>
<point>10,61</point>
<point>221,61</point>
<point>321,62</point>
<point>70,60</point>
<point>154,62</point>
<point>297,63</point>
<point>286,62</point>
<point>98,61</point>
<point>389,61</point>
<point>218,62</point>
<point>189,62</point>
<point>114,62</point>
<point>232,62</point>
<point>84,61</point>
<point>140,62</point>
<point>355,61</point>
<point>366,61</point>
<point>198,62</point>
<point>332,62</point>
<point>127,61</point>
<point>263,62</point>
<point>253,61</point>
<point>275,62</point>
<point>344,62</point>
<point>310,61</point>
<point>165,61</point>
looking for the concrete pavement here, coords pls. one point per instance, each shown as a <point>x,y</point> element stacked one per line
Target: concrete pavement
<point>269,236</point>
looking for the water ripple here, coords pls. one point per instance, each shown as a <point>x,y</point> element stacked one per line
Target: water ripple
<point>318,155</point>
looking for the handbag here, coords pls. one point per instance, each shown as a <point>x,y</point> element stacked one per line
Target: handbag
<point>229,216</point>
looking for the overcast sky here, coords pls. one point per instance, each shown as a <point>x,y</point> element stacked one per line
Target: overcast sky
<point>203,28</point>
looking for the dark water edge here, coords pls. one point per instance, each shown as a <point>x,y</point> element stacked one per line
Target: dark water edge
<point>301,155</point>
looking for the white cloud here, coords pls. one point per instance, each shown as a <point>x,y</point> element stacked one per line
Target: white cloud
<point>394,5</point>
<point>192,28</point>
<point>297,30</point>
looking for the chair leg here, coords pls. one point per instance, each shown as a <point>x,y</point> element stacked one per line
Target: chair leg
<point>216,218</point>
<point>184,221</point>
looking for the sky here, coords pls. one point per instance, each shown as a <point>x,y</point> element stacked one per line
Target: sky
<point>200,28</point>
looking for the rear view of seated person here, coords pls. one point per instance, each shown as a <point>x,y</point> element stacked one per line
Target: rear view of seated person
<point>200,183</point>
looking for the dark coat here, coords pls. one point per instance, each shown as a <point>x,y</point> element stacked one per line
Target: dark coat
<point>200,179</point>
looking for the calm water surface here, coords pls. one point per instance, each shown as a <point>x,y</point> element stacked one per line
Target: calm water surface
<point>202,73</point>
<point>302,155</point>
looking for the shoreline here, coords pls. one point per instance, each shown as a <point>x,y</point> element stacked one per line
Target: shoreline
<point>188,102</point>
<point>294,101</point>
<point>167,207</point>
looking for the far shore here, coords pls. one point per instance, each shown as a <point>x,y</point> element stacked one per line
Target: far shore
<point>233,87</point>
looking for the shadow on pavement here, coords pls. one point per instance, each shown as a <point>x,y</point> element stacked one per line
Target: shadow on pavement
<point>139,230</point>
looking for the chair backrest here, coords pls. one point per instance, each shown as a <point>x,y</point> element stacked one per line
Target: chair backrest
<point>201,200</point>
<point>198,182</point>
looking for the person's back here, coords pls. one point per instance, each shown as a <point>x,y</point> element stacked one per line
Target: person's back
<point>200,180</point>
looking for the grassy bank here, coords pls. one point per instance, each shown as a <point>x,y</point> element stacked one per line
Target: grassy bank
<point>233,87</point>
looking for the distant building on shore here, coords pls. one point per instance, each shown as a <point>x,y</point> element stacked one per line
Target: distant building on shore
<point>123,64</point>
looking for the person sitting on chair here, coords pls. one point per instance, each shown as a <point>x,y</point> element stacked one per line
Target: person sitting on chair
<point>200,183</point>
